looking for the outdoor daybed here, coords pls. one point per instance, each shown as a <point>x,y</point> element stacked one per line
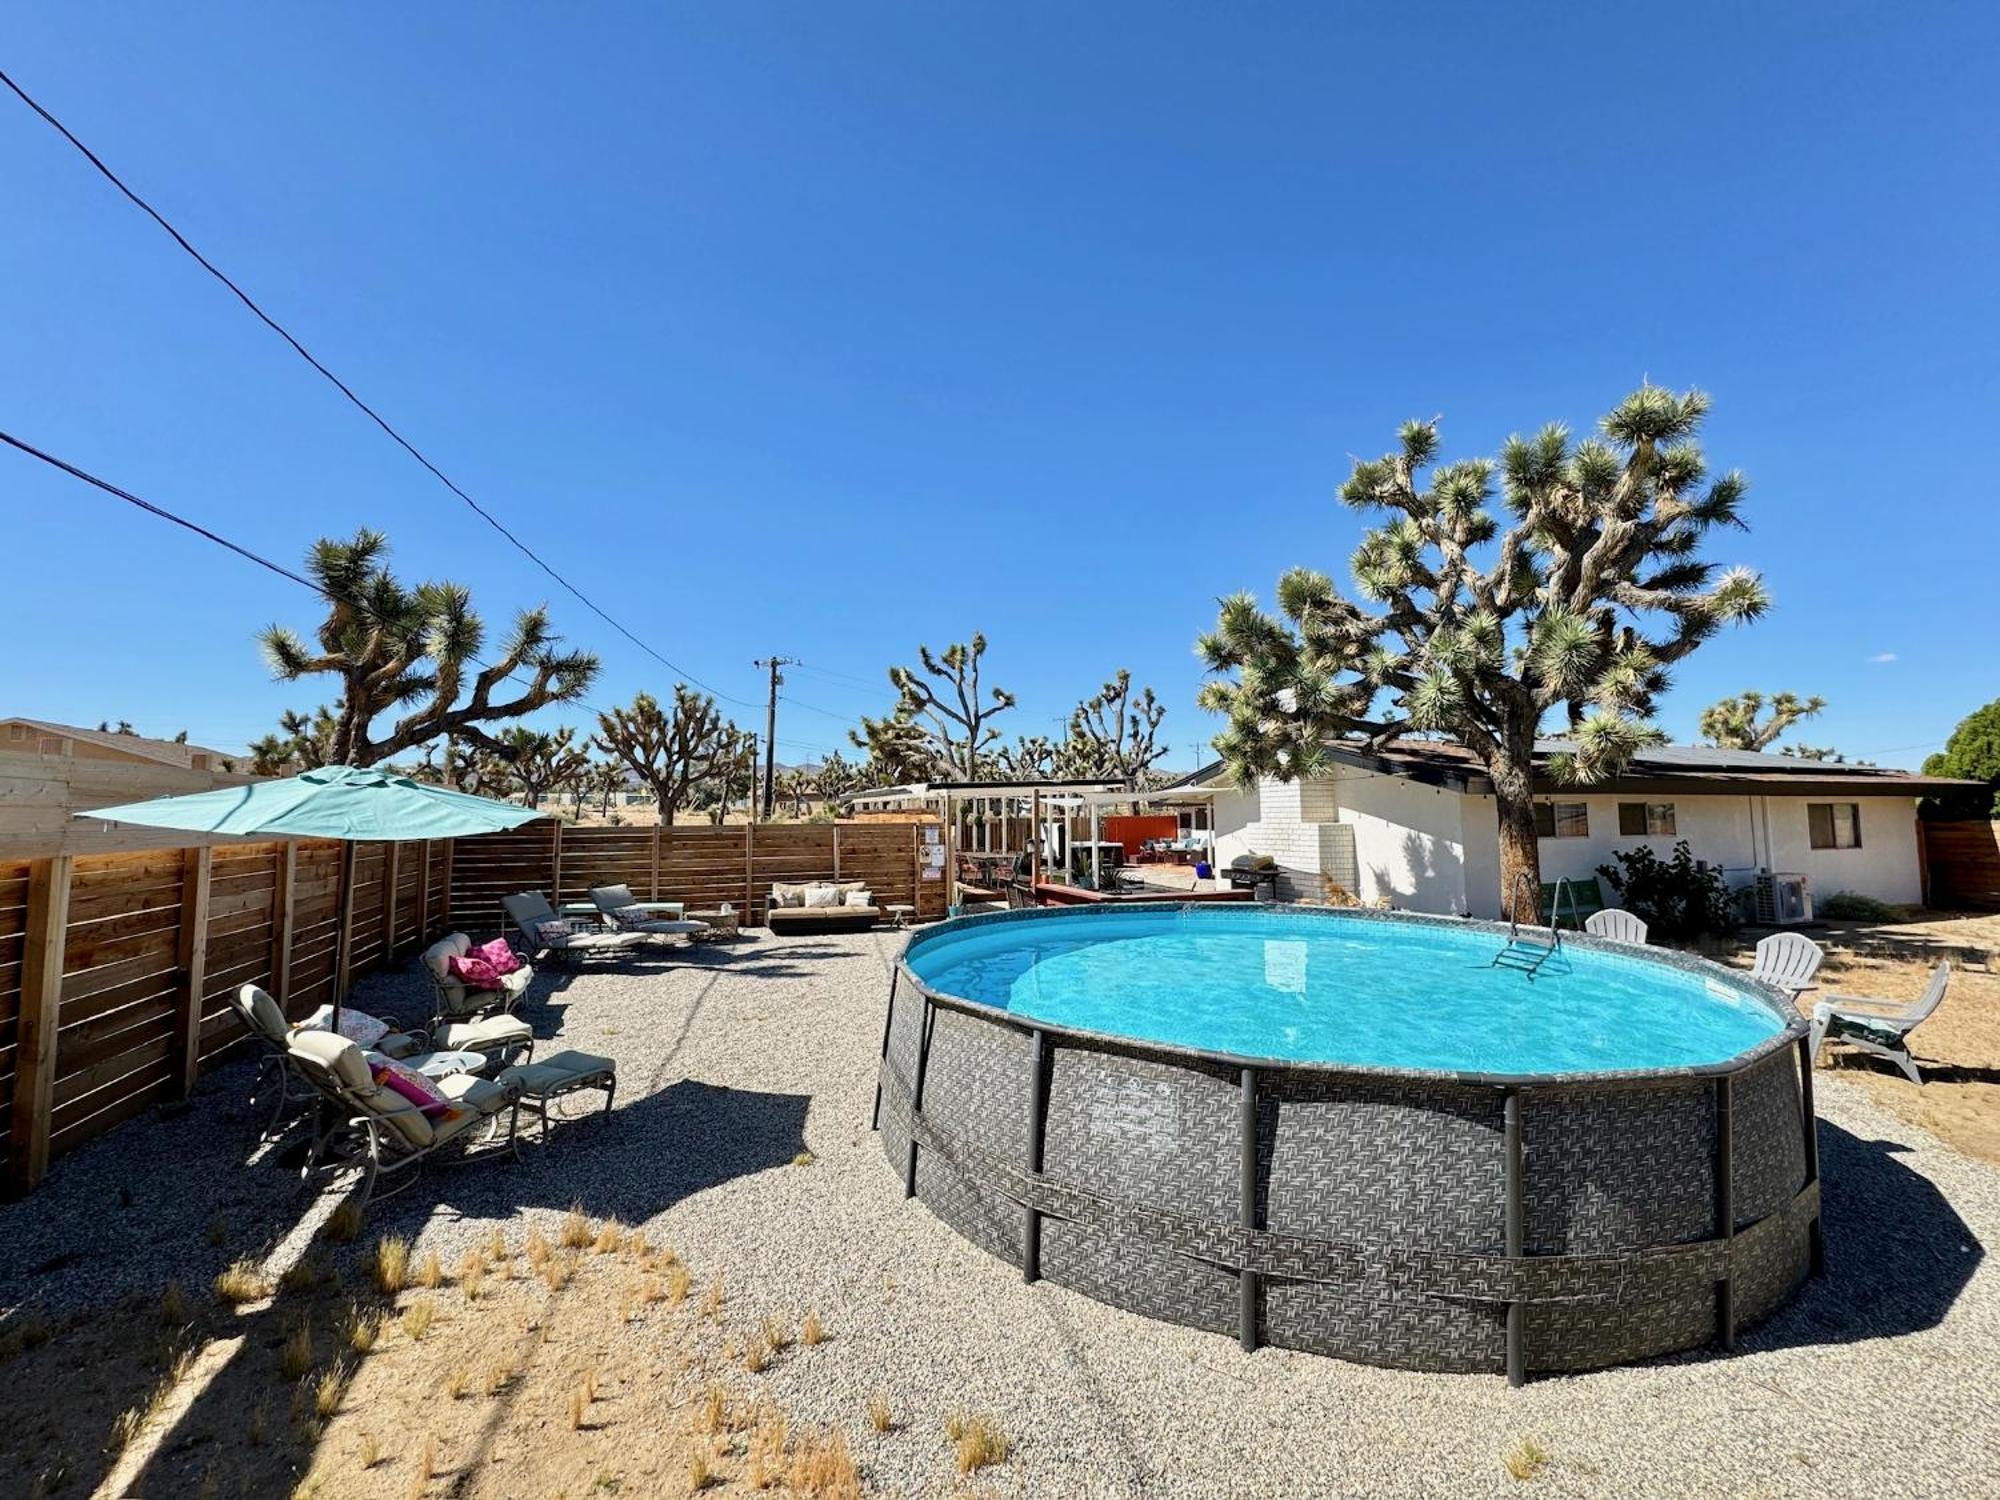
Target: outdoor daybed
<point>822,906</point>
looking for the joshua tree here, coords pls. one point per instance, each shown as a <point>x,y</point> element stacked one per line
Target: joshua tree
<point>732,771</point>
<point>835,778</point>
<point>1113,735</point>
<point>606,779</point>
<point>1602,545</point>
<point>301,745</point>
<point>955,715</point>
<point>1733,724</point>
<point>393,647</point>
<point>898,748</point>
<point>1032,757</point>
<point>670,750</point>
<point>542,762</point>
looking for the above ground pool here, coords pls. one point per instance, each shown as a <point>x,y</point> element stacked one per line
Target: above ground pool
<point>1405,1140</point>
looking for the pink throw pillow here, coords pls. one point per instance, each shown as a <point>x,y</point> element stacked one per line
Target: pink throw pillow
<point>498,954</point>
<point>473,972</point>
<point>411,1085</point>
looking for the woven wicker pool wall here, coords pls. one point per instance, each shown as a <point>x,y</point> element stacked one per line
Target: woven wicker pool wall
<point>1438,1224</point>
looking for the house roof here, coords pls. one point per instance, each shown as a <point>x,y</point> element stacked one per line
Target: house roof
<point>1661,769</point>
<point>166,752</point>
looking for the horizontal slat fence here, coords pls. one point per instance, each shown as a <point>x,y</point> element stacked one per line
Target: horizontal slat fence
<point>1963,859</point>
<point>702,867</point>
<point>116,968</point>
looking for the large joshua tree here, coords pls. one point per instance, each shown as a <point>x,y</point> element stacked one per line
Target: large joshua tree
<point>391,647</point>
<point>948,704</point>
<point>1115,734</point>
<point>670,749</point>
<point>1740,723</point>
<point>1593,590</point>
<point>542,761</point>
<point>898,749</point>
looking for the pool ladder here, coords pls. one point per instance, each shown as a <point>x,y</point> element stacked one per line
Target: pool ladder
<point>1528,957</point>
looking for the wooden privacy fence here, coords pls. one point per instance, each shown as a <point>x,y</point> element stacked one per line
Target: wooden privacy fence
<point>1963,861</point>
<point>116,969</point>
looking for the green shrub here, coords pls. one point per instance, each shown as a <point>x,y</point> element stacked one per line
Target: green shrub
<point>1674,897</point>
<point>1847,906</point>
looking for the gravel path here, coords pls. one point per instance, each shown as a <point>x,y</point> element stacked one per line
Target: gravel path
<point>733,1060</point>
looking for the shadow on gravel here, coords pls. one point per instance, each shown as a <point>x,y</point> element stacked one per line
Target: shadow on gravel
<point>1897,1253</point>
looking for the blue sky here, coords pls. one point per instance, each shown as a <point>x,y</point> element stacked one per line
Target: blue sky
<point>827,330</point>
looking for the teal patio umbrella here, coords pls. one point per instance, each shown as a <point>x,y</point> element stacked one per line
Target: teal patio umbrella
<point>351,803</point>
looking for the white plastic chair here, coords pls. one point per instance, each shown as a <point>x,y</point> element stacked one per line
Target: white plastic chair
<point>1788,960</point>
<point>1616,925</point>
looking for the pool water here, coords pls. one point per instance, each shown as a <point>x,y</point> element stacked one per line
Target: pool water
<point>1359,990</point>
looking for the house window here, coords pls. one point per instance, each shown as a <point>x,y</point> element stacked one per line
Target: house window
<point>1637,820</point>
<point>1834,825</point>
<point>1562,820</point>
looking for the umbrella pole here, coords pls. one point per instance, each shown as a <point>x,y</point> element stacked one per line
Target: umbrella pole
<point>344,950</point>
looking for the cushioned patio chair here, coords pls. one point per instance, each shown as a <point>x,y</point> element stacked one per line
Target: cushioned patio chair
<point>621,913</point>
<point>544,930</point>
<point>1788,960</point>
<point>455,1000</point>
<point>1616,925</point>
<point>265,1019</point>
<point>1881,1028</point>
<point>362,1123</point>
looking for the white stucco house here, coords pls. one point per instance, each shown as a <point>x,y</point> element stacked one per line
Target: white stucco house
<point>1413,824</point>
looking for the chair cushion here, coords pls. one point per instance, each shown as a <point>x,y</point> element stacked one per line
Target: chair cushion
<point>564,1070</point>
<point>818,896</point>
<point>411,1085</point>
<point>399,1045</point>
<point>322,1055</point>
<point>555,931</point>
<point>262,1013</point>
<point>357,1026</point>
<point>490,1034</point>
<point>451,945</point>
<point>486,1096</point>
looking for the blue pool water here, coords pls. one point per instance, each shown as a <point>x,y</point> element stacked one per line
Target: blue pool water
<point>1329,988</point>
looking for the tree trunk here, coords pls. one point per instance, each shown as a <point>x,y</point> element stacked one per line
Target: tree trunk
<point>1520,849</point>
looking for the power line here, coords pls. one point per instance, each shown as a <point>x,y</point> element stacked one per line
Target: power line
<point>340,385</point>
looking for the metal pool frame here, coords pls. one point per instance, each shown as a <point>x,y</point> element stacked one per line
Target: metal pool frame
<point>1422,1219</point>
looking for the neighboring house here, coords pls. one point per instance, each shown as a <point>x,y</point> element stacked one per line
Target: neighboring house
<point>41,737</point>
<point>1414,825</point>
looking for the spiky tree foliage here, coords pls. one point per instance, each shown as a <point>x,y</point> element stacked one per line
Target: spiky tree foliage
<point>605,779</point>
<point>898,750</point>
<point>1032,757</point>
<point>732,773</point>
<point>1740,723</point>
<point>1114,736</point>
<point>1580,605</point>
<point>835,778</point>
<point>670,750</point>
<point>394,647</point>
<point>542,761</point>
<point>464,768</point>
<point>1825,753</point>
<point>1973,752</point>
<point>795,784</point>
<point>946,700</point>
<point>301,744</point>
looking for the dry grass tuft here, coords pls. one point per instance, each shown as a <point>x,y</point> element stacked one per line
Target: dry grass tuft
<point>576,1232</point>
<point>242,1282</point>
<point>536,1248</point>
<point>1525,1459</point>
<point>344,1223</point>
<point>637,1244</point>
<point>700,1471</point>
<point>391,1265</point>
<point>812,1332</point>
<point>778,1334</point>
<point>578,1405</point>
<point>296,1356</point>
<point>757,1355</point>
<point>360,1329</point>
<point>979,1442</point>
<point>299,1276</point>
<point>880,1417</point>
<point>610,1239</point>
<point>498,1376</point>
<point>417,1318</point>
<point>427,1461</point>
<point>472,1275</point>
<point>804,1159</point>
<point>173,1305</point>
<point>430,1274</point>
<point>678,1282</point>
<point>650,1290</point>
<point>457,1381</point>
<point>713,1298</point>
<point>369,1451</point>
<point>822,1467</point>
<point>331,1389</point>
<point>496,1245</point>
<point>556,1272</point>
<point>712,1416</point>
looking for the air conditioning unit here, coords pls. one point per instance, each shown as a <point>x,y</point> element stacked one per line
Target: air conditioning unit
<point>1782,900</point>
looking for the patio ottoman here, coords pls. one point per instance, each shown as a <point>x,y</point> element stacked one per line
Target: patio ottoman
<point>564,1073</point>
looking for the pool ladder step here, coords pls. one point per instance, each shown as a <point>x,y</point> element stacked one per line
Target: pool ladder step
<point>1525,956</point>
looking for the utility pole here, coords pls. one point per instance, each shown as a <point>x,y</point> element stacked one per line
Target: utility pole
<point>771,729</point>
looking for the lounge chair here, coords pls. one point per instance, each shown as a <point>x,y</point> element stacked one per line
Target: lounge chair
<point>366,1124</point>
<point>458,1001</point>
<point>1881,1028</point>
<point>787,911</point>
<point>532,915</point>
<point>1788,960</point>
<point>1616,925</point>
<point>611,900</point>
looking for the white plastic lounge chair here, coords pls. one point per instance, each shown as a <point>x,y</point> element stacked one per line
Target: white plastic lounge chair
<point>610,900</point>
<point>1788,960</point>
<point>530,913</point>
<point>1616,925</point>
<point>1881,1028</point>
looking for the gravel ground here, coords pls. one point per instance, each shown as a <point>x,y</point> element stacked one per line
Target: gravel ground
<point>1879,1380</point>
